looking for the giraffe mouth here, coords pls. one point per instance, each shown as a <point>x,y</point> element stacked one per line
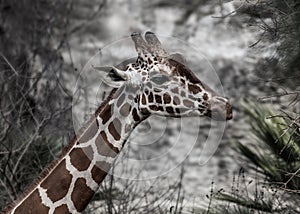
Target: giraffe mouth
<point>220,109</point>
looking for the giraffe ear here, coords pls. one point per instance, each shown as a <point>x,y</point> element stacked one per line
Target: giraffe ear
<point>112,76</point>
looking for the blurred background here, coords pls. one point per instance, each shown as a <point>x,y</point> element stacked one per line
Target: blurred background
<point>252,46</point>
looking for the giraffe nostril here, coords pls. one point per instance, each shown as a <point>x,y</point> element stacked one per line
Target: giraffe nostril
<point>222,99</point>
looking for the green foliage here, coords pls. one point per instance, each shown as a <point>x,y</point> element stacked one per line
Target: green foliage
<point>280,22</point>
<point>276,152</point>
<point>288,17</point>
<point>273,153</point>
<point>245,204</point>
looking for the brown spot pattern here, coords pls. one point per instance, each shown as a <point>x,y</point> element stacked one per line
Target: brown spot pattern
<point>127,128</point>
<point>58,182</point>
<point>150,97</point>
<point>90,132</point>
<point>115,128</point>
<point>167,98</point>
<point>153,107</point>
<point>144,111</point>
<point>194,88</point>
<point>135,115</point>
<point>175,90</point>
<point>170,110</point>
<point>125,109</point>
<point>158,99</point>
<point>81,158</point>
<point>99,171</point>
<point>188,103</point>
<point>205,96</point>
<point>176,100</point>
<point>62,209</point>
<point>104,147</point>
<point>27,207</point>
<point>106,114</point>
<point>81,194</point>
<point>149,85</point>
<point>130,97</point>
<point>160,108</point>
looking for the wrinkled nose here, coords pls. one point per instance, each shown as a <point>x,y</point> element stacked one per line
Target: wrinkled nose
<point>220,108</point>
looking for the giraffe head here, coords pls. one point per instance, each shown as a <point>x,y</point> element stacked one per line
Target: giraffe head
<point>163,83</point>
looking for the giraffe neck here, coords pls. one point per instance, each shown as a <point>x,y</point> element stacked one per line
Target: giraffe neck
<point>68,186</point>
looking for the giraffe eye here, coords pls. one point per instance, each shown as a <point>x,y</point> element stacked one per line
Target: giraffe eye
<point>159,79</point>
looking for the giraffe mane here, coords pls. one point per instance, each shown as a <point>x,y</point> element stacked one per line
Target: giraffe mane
<point>178,58</point>
<point>183,70</point>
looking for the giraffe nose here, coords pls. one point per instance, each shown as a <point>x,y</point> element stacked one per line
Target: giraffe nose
<point>221,108</point>
<point>228,111</point>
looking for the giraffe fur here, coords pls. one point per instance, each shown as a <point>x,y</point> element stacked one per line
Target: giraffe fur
<point>155,83</point>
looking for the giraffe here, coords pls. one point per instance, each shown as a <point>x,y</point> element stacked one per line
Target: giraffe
<point>155,83</point>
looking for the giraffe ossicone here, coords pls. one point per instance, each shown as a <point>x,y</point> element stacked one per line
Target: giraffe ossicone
<point>156,82</point>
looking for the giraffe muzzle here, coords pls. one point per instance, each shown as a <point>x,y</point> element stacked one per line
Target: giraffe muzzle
<point>220,109</point>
